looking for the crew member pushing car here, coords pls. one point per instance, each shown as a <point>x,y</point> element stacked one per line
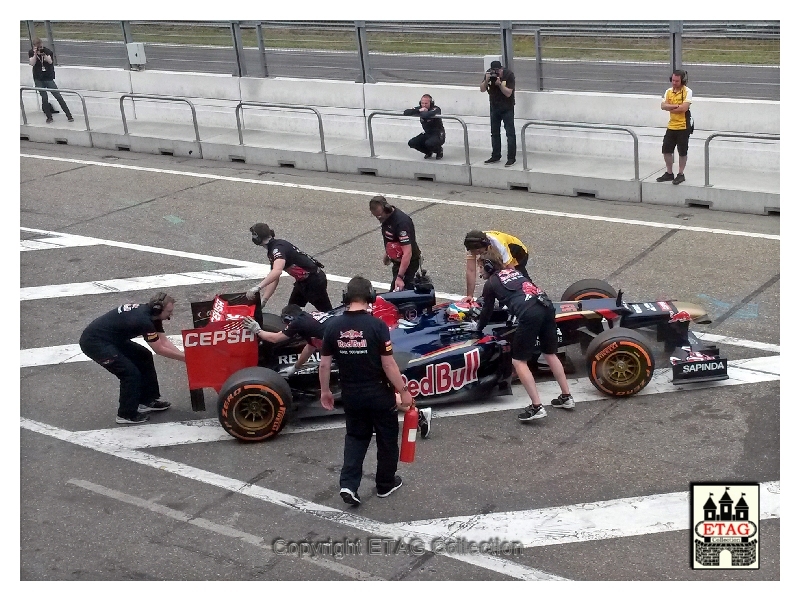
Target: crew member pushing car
<point>311,284</point>
<point>299,323</point>
<point>107,341</point>
<point>512,252</point>
<point>399,242</point>
<point>536,318</point>
<point>369,375</point>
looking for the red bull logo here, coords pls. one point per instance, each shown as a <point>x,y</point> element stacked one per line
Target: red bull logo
<point>351,334</point>
<point>441,378</point>
<point>679,317</point>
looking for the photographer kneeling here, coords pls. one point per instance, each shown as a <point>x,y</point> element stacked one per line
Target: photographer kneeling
<point>429,142</point>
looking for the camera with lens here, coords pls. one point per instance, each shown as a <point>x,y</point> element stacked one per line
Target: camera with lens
<point>493,74</point>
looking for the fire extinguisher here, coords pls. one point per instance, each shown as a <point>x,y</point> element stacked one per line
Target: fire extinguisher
<point>409,444</point>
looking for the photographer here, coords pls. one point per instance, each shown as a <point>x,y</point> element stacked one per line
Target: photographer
<point>500,83</point>
<point>432,138</point>
<point>44,74</point>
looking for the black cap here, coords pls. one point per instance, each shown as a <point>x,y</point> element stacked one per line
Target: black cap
<point>476,240</point>
<point>496,64</point>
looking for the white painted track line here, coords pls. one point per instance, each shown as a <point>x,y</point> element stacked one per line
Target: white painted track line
<point>486,561</point>
<point>205,524</point>
<point>403,197</point>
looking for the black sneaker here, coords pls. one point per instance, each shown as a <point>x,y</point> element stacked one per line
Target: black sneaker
<point>563,401</point>
<point>350,497</point>
<point>439,155</point>
<point>137,420</point>
<point>70,119</point>
<point>155,405</point>
<point>666,177</point>
<point>679,178</point>
<point>493,159</point>
<point>510,161</point>
<point>532,412</point>
<point>428,155</point>
<point>49,120</point>
<point>397,483</point>
<point>425,422</point>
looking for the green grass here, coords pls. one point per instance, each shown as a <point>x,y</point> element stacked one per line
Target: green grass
<point>695,50</point>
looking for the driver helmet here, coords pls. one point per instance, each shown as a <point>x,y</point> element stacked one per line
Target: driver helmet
<point>458,311</point>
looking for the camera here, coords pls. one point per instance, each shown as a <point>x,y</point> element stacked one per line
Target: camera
<point>493,73</point>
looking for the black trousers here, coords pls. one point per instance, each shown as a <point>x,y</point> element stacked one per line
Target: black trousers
<point>361,422</point>
<point>56,94</point>
<point>313,289</point>
<point>408,279</point>
<point>505,116</point>
<point>134,367</point>
<point>427,143</point>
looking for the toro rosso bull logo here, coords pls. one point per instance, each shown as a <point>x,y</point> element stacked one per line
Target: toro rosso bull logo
<point>351,339</point>
<point>441,378</point>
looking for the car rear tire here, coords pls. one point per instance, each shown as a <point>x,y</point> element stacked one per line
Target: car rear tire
<point>620,362</point>
<point>588,289</point>
<point>254,404</point>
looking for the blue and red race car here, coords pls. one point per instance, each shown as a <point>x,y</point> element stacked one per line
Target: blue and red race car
<point>440,357</point>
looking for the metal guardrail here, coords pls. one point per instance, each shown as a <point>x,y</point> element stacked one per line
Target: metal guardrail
<point>78,94</point>
<point>239,128</point>
<point>394,114</point>
<point>755,136</point>
<point>583,126</point>
<point>166,98</point>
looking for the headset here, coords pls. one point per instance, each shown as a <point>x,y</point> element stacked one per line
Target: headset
<point>156,303</point>
<point>488,267</point>
<point>429,98</point>
<point>260,231</point>
<point>475,240</point>
<point>348,295</point>
<point>682,74</point>
<point>290,312</point>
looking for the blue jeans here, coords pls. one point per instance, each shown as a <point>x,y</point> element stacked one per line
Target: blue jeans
<point>56,94</point>
<point>506,116</point>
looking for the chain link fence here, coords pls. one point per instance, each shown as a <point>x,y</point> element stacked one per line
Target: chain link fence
<point>725,59</point>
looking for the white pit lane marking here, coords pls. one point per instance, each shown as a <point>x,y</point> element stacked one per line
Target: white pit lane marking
<point>248,538</point>
<point>410,198</point>
<point>485,561</point>
<point>156,435</point>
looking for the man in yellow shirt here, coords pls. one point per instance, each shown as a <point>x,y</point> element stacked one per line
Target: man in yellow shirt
<point>512,251</point>
<point>676,102</point>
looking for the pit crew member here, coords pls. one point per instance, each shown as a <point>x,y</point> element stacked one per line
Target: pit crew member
<point>399,241</point>
<point>535,318</point>
<point>107,341</point>
<point>311,284</point>
<point>512,252</point>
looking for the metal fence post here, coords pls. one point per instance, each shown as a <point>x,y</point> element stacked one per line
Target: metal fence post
<point>238,49</point>
<point>261,50</point>
<point>31,30</point>
<point>508,45</point>
<point>49,32</point>
<point>363,53</point>
<point>539,70</point>
<point>675,46</point>
<point>127,38</point>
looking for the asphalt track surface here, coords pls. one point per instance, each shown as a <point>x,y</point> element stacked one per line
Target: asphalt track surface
<point>710,81</point>
<point>597,493</point>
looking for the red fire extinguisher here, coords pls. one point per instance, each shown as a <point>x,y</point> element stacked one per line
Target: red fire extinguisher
<point>409,444</point>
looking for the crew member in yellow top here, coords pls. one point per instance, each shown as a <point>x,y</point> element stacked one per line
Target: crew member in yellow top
<point>676,102</point>
<point>512,251</point>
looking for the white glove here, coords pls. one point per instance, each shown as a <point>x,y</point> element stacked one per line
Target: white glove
<point>252,325</point>
<point>290,371</point>
<point>470,326</point>
<point>253,293</point>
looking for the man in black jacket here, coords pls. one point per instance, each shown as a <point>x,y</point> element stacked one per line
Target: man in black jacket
<point>44,74</point>
<point>499,82</point>
<point>431,140</point>
<point>399,243</point>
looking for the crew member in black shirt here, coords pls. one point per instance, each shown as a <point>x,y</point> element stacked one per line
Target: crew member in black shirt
<point>107,341</point>
<point>500,83</point>
<point>44,75</point>
<point>399,242</point>
<point>369,375</point>
<point>431,140</point>
<point>298,323</point>
<point>311,284</point>
<point>536,318</point>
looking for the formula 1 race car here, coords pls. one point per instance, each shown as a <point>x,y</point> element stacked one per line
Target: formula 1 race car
<point>440,357</point>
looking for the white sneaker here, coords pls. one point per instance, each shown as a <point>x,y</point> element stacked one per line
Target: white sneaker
<point>425,416</point>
